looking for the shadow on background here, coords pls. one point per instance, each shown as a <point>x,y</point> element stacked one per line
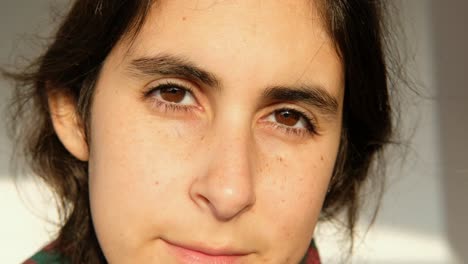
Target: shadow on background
<point>450,25</point>
<point>6,145</point>
<point>22,24</point>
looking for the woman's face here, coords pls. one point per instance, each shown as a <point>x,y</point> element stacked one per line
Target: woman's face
<point>214,135</point>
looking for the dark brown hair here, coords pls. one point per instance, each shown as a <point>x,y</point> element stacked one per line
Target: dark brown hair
<point>72,62</point>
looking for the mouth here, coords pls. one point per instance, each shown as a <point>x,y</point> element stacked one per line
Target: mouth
<point>199,254</point>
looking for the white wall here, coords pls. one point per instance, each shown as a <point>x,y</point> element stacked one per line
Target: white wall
<point>423,217</point>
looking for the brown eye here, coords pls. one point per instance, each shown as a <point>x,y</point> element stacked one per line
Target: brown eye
<point>287,117</point>
<point>173,94</point>
<point>292,122</point>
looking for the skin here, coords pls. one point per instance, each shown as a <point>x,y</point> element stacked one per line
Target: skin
<point>225,172</point>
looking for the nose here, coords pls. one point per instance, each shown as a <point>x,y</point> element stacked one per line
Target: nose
<point>226,188</point>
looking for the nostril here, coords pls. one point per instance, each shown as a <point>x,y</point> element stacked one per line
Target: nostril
<point>203,199</point>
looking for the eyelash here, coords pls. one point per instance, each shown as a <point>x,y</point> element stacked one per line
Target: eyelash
<point>310,124</point>
<point>165,107</point>
<point>168,106</point>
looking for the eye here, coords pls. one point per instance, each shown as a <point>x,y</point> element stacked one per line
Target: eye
<point>292,121</point>
<point>174,94</point>
<point>287,117</point>
<point>172,97</point>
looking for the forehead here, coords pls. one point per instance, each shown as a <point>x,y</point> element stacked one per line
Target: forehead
<point>256,40</point>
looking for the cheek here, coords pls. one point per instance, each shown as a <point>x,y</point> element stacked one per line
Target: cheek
<point>293,189</point>
<point>130,144</point>
<point>135,170</point>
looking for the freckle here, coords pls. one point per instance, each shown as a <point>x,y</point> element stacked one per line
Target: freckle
<point>156,183</point>
<point>184,18</point>
<point>321,158</point>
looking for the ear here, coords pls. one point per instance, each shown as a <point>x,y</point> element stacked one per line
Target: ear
<point>66,124</point>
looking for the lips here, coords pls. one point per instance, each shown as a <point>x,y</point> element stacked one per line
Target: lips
<point>198,254</point>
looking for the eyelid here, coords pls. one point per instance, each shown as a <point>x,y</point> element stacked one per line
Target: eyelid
<point>164,106</point>
<point>298,132</point>
<point>169,81</point>
<point>309,118</point>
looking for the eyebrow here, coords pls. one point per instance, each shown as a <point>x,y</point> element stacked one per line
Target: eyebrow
<point>166,65</point>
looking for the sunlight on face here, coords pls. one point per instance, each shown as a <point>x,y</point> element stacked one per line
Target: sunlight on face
<point>214,135</point>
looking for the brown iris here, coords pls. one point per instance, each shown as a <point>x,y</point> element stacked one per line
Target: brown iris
<point>172,94</point>
<point>287,117</point>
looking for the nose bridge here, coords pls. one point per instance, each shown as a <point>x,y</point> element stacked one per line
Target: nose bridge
<point>231,155</point>
<point>228,185</point>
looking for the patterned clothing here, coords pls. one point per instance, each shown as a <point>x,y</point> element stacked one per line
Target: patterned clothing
<point>50,256</point>
<point>47,256</point>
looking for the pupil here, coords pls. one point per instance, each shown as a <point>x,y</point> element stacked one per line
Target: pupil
<point>287,117</point>
<point>172,94</point>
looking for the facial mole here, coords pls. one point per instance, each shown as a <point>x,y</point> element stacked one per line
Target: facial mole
<point>184,18</point>
<point>321,158</point>
<point>281,161</point>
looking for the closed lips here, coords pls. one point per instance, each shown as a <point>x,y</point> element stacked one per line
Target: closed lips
<point>198,254</point>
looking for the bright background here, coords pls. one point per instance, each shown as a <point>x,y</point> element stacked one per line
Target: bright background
<point>424,216</point>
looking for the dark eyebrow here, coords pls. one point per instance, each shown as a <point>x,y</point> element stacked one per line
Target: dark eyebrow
<point>165,64</point>
<point>314,96</point>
